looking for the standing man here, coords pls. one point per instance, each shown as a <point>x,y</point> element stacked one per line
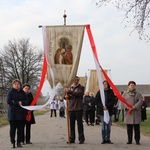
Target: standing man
<point>75,108</point>
<point>109,104</point>
<point>132,116</point>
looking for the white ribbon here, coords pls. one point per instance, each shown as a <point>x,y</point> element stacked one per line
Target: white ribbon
<point>106,113</point>
<point>52,94</point>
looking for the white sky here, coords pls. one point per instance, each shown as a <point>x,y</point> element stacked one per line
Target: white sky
<point>126,56</point>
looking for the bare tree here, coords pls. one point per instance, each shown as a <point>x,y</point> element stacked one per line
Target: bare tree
<point>137,13</point>
<point>22,61</point>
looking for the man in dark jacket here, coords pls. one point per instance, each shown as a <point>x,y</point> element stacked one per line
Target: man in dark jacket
<point>16,114</point>
<point>75,108</point>
<point>109,104</point>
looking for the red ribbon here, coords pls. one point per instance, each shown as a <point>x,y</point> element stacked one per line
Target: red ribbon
<point>104,73</point>
<point>44,70</point>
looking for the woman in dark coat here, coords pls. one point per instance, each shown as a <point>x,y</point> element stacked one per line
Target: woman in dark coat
<point>26,88</point>
<point>16,114</point>
<point>87,108</point>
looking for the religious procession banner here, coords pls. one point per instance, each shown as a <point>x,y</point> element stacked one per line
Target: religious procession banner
<point>62,49</point>
<point>99,68</point>
<point>92,80</point>
<point>63,46</point>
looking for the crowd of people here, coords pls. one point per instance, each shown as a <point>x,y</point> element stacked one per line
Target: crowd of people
<point>83,106</point>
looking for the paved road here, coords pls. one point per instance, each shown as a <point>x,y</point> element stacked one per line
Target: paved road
<point>51,134</point>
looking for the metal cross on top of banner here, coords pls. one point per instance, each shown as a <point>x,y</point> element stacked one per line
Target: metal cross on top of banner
<point>65,16</point>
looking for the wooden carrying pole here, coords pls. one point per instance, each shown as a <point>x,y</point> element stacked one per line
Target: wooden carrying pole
<point>67,114</point>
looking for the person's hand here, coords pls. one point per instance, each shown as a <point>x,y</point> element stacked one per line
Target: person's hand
<point>20,103</point>
<point>130,109</point>
<point>89,104</point>
<point>104,108</point>
<point>66,89</point>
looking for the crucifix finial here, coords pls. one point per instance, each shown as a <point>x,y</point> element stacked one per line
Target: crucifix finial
<point>65,16</point>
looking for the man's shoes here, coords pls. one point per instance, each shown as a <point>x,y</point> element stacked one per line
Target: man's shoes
<point>137,143</point>
<point>29,142</point>
<point>22,143</point>
<point>81,142</point>
<point>13,145</point>
<point>129,142</point>
<point>103,142</point>
<point>92,124</point>
<point>19,145</point>
<point>109,142</point>
<point>71,142</point>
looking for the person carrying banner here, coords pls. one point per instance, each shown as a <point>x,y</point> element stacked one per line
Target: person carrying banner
<point>133,118</point>
<point>109,104</point>
<point>75,108</point>
<point>16,114</point>
<point>26,88</point>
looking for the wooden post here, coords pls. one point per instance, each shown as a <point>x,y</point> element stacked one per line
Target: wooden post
<point>67,114</point>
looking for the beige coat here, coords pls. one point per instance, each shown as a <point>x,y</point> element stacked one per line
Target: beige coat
<point>135,99</point>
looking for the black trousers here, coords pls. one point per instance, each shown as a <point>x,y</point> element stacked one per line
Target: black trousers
<point>136,128</point>
<point>62,113</point>
<point>16,125</point>
<point>88,115</point>
<point>93,116</point>
<point>53,110</point>
<point>23,135</point>
<point>28,132</point>
<point>76,115</point>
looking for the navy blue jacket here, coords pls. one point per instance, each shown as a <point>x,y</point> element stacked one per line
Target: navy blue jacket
<point>16,112</point>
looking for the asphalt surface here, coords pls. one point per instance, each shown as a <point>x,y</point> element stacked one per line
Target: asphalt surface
<point>51,134</point>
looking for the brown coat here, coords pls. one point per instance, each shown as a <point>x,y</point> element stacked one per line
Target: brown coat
<point>135,99</point>
<point>76,98</point>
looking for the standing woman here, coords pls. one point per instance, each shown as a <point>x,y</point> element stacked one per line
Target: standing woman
<point>26,88</point>
<point>16,114</point>
<point>133,119</point>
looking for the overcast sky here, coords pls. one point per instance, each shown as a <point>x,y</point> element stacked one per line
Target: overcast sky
<point>126,56</point>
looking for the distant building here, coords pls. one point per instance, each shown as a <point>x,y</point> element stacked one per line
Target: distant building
<point>144,89</point>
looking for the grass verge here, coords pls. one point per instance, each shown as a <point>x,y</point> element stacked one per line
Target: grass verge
<point>145,126</point>
<point>4,121</point>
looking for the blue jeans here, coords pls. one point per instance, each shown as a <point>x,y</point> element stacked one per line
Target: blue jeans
<point>105,129</point>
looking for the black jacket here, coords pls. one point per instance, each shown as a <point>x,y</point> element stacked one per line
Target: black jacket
<point>86,101</point>
<point>15,111</point>
<point>109,101</point>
